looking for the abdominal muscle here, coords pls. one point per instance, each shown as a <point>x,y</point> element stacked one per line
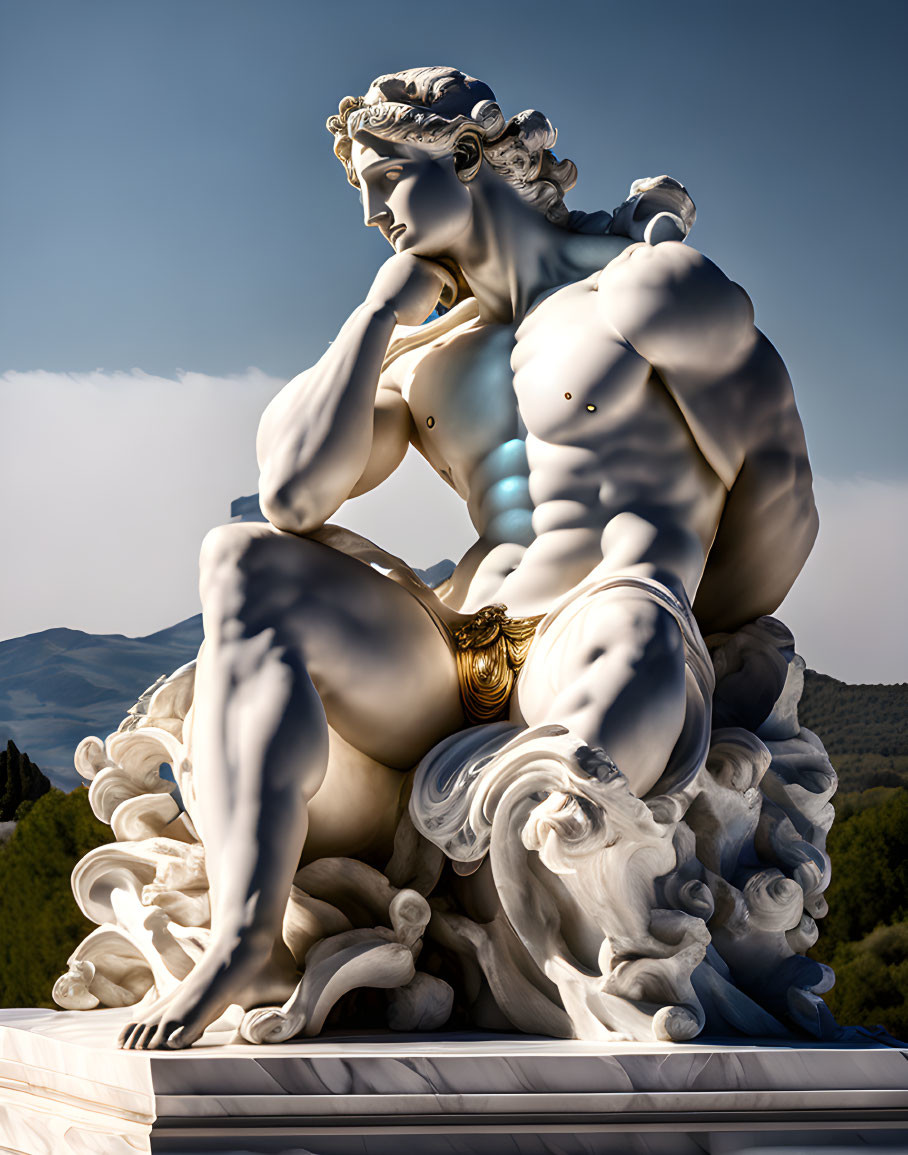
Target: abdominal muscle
<point>530,579</point>
<point>567,538</point>
<point>554,492</point>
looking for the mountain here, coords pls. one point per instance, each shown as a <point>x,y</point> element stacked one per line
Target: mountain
<point>59,685</point>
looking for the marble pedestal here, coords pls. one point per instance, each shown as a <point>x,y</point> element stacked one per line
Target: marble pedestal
<point>66,1090</point>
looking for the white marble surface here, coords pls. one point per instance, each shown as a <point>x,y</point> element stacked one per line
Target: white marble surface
<point>65,1089</point>
<point>62,1096</point>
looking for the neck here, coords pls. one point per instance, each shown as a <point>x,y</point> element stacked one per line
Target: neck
<point>512,254</point>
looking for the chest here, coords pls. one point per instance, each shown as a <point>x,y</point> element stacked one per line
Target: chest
<point>575,379</point>
<point>462,401</point>
<point>562,376</point>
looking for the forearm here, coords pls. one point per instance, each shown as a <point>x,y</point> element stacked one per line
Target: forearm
<point>315,437</point>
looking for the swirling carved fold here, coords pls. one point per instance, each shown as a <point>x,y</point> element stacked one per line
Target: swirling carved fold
<point>573,909</point>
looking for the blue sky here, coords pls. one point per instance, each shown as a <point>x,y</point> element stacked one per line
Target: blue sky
<point>170,202</point>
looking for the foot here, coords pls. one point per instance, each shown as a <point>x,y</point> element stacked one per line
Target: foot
<point>224,975</point>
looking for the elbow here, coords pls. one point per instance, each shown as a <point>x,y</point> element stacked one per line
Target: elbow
<point>287,509</point>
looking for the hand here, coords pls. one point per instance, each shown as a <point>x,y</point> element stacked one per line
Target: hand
<point>410,286</point>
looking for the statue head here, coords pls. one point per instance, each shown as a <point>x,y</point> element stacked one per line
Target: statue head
<point>423,143</point>
<point>444,113</point>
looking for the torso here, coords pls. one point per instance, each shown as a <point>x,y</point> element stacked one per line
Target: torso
<point>551,430</point>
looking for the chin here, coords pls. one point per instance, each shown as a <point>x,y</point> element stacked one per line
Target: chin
<point>428,247</point>
<point>428,252</point>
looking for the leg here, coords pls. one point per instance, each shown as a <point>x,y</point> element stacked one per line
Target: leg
<point>297,636</point>
<point>614,673</point>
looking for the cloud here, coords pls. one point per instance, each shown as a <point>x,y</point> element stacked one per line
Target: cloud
<point>110,481</point>
<point>848,608</point>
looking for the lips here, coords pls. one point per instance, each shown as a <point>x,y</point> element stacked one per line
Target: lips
<point>395,231</point>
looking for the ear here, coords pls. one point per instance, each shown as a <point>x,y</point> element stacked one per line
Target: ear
<point>468,156</point>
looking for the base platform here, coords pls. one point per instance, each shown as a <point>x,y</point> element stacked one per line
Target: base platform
<point>65,1089</point>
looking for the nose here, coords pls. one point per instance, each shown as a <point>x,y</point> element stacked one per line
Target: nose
<point>375,211</point>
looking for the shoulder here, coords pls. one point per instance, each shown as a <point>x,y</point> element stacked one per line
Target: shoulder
<point>672,269</point>
<point>682,314</point>
<point>667,299</point>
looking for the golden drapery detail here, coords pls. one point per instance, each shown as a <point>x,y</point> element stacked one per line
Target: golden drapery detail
<point>491,648</point>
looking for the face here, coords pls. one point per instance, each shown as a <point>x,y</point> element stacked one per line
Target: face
<point>417,201</point>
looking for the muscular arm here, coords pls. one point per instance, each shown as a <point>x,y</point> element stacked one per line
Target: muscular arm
<point>770,521</point>
<point>695,327</point>
<point>316,437</point>
<point>340,428</point>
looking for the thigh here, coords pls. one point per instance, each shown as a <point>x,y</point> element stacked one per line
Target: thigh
<point>611,668</point>
<point>385,672</point>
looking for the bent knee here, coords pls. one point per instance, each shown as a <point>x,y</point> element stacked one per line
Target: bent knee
<point>253,558</point>
<point>252,570</point>
<point>225,547</point>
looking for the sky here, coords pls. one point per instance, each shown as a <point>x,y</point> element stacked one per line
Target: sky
<point>177,240</point>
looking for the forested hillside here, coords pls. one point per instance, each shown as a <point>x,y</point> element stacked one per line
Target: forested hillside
<point>864,729</point>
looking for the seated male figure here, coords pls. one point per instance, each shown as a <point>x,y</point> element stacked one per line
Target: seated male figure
<point>617,428</point>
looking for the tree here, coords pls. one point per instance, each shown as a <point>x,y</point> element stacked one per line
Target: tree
<point>20,781</point>
<point>869,872</point>
<point>40,924</point>
<point>871,985</point>
<point>864,938</point>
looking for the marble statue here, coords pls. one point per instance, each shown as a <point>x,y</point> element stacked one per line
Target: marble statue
<point>566,792</point>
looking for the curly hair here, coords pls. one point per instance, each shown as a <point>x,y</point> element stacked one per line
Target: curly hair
<point>449,113</point>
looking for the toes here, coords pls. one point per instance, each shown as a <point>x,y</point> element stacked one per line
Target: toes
<point>123,1037</point>
<point>132,1036</point>
<point>162,1039</point>
<point>147,1041</point>
<point>189,1033</point>
<point>156,1039</point>
<point>163,1034</point>
<point>139,1037</point>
